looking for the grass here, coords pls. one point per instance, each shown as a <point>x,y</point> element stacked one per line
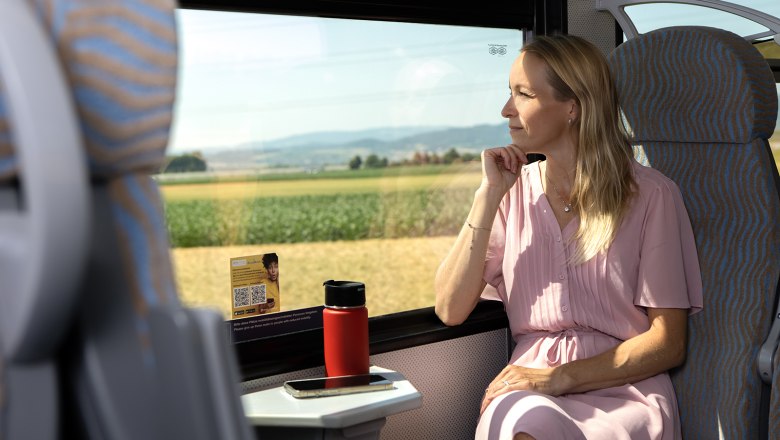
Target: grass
<point>468,176</point>
<point>173,179</point>
<point>312,218</point>
<point>398,273</point>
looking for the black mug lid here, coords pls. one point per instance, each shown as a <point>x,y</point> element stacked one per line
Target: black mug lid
<point>344,293</point>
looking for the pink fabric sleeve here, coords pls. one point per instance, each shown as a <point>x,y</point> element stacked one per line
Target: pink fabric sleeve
<point>494,258</point>
<point>669,274</point>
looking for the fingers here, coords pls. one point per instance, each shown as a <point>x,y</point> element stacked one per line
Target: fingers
<point>518,155</point>
<point>496,388</point>
<point>500,385</point>
<point>485,403</point>
<point>511,157</point>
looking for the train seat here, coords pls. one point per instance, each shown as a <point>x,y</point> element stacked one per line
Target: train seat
<point>94,342</point>
<point>702,103</point>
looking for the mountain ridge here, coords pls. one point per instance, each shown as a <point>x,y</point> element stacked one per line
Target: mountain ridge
<point>319,149</point>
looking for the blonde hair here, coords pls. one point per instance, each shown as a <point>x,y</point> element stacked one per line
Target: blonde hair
<point>604,182</point>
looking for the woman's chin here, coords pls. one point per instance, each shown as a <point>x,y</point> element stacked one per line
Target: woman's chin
<point>527,149</point>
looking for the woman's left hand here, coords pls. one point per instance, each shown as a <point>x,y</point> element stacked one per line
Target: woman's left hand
<point>516,378</point>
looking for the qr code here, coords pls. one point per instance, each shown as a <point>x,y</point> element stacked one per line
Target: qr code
<point>241,297</point>
<point>249,296</point>
<point>258,294</point>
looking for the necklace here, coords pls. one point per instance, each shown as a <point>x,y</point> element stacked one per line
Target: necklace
<point>566,205</point>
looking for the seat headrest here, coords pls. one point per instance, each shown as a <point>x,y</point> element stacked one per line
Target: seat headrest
<point>670,83</point>
<point>121,60</point>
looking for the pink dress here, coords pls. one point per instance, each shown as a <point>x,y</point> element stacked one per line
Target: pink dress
<point>559,313</point>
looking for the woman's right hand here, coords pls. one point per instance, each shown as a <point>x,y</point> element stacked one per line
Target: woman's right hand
<point>501,167</point>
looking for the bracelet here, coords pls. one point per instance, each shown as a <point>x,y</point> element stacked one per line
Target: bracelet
<point>474,232</point>
<point>476,227</point>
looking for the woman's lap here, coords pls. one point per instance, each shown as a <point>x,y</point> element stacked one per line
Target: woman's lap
<point>636,411</point>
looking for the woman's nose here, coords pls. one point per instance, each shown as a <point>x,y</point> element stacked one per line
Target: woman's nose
<point>509,109</point>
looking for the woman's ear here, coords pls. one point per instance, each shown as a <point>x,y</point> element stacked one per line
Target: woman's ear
<point>574,111</point>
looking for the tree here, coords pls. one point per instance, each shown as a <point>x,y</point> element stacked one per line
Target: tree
<point>468,157</point>
<point>373,161</point>
<point>450,156</point>
<point>185,163</point>
<point>421,158</point>
<point>355,163</point>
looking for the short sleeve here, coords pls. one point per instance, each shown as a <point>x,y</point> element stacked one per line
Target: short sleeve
<point>494,258</point>
<point>669,274</point>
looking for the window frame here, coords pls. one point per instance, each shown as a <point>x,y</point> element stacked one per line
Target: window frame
<point>617,9</point>
<point>301,350</point>
<point>491,13</point>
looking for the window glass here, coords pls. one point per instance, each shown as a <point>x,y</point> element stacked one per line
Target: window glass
<point>769,49</point>
<point>272,115</point>
<point>771,7</point>
<point>649,16</point>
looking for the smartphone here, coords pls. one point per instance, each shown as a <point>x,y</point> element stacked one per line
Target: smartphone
<point>334,386</point>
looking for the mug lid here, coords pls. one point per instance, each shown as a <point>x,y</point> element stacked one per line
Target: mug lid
<point>344,293</point>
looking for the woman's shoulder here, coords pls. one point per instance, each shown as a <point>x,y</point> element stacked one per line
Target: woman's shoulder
<point>650,180</point>
<point>656,191</point>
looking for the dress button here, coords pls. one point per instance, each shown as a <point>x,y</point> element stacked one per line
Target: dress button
<point>561,276</point>
<point>557,238</point>
<point>565,308</point>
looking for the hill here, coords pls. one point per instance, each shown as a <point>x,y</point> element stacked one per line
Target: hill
<point>319,149</point>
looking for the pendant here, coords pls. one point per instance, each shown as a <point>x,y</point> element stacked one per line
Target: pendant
<point>567,208</point>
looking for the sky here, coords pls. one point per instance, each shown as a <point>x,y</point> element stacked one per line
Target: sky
<point>247,77</point>
<point>253,78</point>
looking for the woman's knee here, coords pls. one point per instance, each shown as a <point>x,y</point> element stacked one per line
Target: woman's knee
<point>523,436</point>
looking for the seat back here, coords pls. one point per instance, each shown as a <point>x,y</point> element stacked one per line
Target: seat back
<point>44,222</point>
<point>131,362</point>
<point>701,103</point>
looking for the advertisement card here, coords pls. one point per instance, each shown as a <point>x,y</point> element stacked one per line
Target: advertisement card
<point>254,285</point>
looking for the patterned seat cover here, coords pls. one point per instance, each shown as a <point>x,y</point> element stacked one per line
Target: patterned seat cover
<point>137,364</point>
<point>702,103</point>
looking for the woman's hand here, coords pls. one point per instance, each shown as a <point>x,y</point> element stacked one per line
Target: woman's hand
<point>516,378</point>
<point>656,350</point>
<point>501,166</point>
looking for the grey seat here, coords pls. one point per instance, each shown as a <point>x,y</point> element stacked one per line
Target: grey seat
<point>702,104</point>
<point>95,342</point>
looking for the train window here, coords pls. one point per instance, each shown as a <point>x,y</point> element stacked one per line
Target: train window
<point>350,148</point>
<point>649,16</point>
<point>771,7</point>
<point>769,49</point>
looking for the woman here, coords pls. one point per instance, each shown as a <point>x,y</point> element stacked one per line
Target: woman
<point>592,254</point>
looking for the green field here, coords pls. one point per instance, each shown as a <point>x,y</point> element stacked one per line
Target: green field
<point>330,183</point>
<point>314,210</point>
<point>387,229</point>
<point>287,175</point>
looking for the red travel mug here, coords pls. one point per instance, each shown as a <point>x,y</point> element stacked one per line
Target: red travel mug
<point>345,326</point>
